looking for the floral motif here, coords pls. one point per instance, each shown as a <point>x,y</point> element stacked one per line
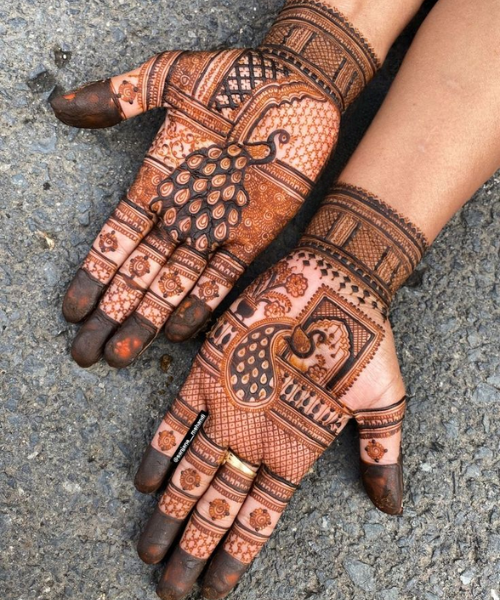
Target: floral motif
<point>264,289</point>
<point>127,91</point>
<point>375,450</point>
<point>170,283</point>
<point>274,309</point>
<point>108,242</point>
<point>190,478</point>
<point>260,519</point>
<point>139,266</point>
<point>166,440</point>
<point>282,271</point>
<point>296,285</point>
<point>208,291</point>
<point>316,373</point>
<point>218,509</point>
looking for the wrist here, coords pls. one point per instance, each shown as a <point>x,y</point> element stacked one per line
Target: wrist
<point>320,41</point>
<point>375,244</point>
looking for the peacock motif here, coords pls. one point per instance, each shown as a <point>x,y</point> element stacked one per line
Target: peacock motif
<point>254,376</point>
<point>205,196</point>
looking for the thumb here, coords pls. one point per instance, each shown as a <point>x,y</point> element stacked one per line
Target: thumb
<point>108,102</point>
<point>381,455</point>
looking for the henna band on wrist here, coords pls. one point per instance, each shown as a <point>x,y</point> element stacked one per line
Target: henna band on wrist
<point>368,237</point>
<point>320,41</point>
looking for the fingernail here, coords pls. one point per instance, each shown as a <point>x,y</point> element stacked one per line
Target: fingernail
<point>384,486</point>
<point>181,573</point>
<point>222,575</point>
<point>89,341</point>
<point>157,537</point>
<point>82,297</point>
<point>152,471</point>
<point>131,339</point>
<point>91,106</point>
<point>187,320</point>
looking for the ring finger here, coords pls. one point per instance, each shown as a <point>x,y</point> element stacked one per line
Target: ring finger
<point>188,483</point>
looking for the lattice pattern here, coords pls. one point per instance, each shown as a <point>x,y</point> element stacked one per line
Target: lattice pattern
<point>251,70</point>
<point>313,128</point>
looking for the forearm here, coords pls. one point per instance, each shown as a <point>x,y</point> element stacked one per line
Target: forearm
<point>435,140</point>
<point>380,21</point>
<point>339,46</point>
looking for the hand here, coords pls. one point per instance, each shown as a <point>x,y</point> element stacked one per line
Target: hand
<point>307,347</point>
<point>246,135</point>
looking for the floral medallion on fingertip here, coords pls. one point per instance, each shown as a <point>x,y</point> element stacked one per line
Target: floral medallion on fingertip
<point>260,519</point>
<point>219,509</point>
<point>166,440</point>
<point>139,266</point>
<point>190,479</point>
<point>170,283</point>
<point>375,450</point>
<point>108,242</point>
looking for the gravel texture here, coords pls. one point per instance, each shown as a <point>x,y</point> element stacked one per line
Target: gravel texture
<point>72,439</point>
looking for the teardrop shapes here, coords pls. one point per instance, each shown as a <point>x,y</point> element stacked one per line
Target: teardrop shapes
<point>205,196</point>
<point>183,177</point>
<point>170,216</point>
<point>221,231</point>
<point>202,221</point>
<point>182,196</point>
<point>228,192</point>
<point>219,211</point>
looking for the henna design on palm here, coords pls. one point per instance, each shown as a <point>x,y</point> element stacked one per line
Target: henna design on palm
<point>205,197</point>
<point>307,347</point>
<point>247,133</point>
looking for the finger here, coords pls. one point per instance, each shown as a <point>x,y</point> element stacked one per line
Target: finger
<point>253,526</point>
<point>186,411</point>
<point>108,102</point>
<point>212,517</point>
<point>189,481</point>
<point>213,286</point>
<point>168,289</point>
<point>121,233</point>
<point>101,265</point>
<point>381,457</point>
<point>121,297</point>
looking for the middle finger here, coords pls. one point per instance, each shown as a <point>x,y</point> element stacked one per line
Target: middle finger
<point>212,517</point>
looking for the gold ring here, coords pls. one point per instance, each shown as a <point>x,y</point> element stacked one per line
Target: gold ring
<point>238,464</point>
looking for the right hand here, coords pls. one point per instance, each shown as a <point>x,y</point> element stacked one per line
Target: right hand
<point>305,349</point>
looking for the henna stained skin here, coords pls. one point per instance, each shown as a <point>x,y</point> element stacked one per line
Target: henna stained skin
<point>243,126</point>
<point>306,348</point>
<point>181,573</point>
<point>93,106</point>
<point>187,320</point>
<point>87,348</point>
<point>222,575</point>
<point>133,338</point>
<point>157,537</point>
<point>82,297</point>
<point>384,485</point>
<point>152,470</point>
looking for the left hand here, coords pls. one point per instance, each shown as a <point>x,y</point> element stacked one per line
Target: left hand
<point>246,135</point>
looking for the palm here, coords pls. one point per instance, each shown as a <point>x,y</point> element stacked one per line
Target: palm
<point>307,347</point>
<point>301,352</point>
<point>294,358</point>
<point>246,136</point>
